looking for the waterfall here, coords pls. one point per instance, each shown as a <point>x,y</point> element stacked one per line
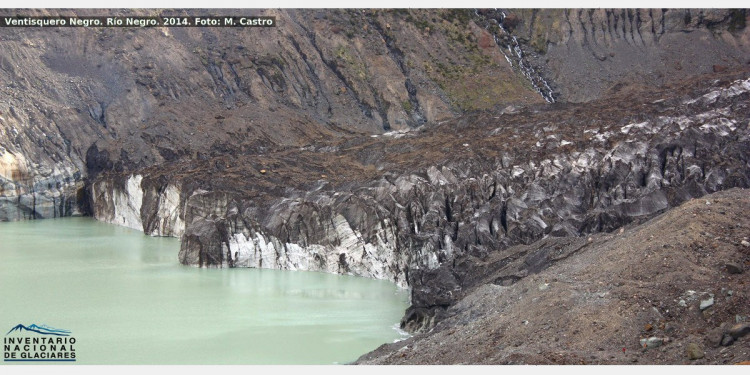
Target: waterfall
<point>516,54</point>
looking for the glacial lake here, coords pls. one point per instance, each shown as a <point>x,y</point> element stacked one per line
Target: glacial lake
<point>125,299</point>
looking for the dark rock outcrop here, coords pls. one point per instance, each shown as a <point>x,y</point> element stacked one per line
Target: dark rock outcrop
<point>585,53</point>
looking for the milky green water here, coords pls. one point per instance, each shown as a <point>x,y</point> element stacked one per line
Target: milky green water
<point>127,300</point>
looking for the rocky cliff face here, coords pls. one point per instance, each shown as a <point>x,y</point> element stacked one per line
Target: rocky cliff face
<point>38,191</point>
<point>586,53</point>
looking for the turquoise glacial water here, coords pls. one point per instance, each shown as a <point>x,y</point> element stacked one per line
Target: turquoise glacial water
<point>126,300</point>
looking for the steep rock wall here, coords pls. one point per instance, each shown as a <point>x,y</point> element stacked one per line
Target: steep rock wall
<point>586,53</point>
<point>29,191</point>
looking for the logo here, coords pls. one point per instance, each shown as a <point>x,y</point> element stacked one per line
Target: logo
<point>38,343</point>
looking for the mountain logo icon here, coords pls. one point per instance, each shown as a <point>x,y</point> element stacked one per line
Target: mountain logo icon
<point>43,329</point>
